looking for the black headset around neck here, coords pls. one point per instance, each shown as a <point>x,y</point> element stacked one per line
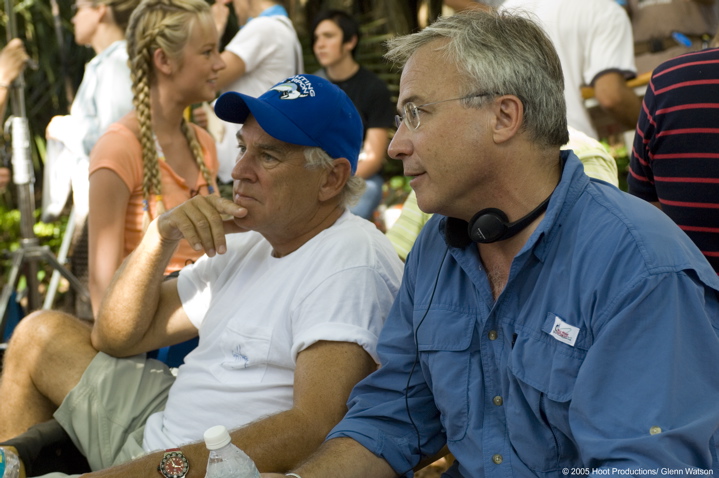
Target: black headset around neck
<point>491,224</point>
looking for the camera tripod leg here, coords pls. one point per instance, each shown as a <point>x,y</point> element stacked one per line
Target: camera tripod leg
<point>61,257</point>
<point>74,282</point>
<point>30,255</point>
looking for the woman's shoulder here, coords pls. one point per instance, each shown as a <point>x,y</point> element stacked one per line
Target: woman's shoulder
<point>120,140</point>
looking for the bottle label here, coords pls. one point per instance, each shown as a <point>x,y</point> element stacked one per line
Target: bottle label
<point>2,462</point>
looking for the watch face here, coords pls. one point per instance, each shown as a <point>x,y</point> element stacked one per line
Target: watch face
<point>174,465</point>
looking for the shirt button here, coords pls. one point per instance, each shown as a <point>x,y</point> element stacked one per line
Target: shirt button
<point>655,430</point>
<point>492,335</point>
<point>498,401</point>
<point>497,459</point>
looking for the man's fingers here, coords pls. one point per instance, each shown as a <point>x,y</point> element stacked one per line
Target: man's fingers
<point>205,214</point>
<point>204,228</point>
<point>225,206</point>
<point>200,222</point>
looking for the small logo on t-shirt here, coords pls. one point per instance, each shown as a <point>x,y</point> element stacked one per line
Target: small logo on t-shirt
<point>564,332</point>
<point>241,360</point>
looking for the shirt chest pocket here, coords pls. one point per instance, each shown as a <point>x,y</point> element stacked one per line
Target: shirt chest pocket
<point>244,354</point>
<point>541,379</point>
<point>447,347</point>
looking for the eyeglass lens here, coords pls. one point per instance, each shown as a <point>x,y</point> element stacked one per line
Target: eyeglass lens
<point>410,117</point>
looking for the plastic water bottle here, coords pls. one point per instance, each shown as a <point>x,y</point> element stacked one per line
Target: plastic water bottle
<point>9,464</point>
<point>226,460</point>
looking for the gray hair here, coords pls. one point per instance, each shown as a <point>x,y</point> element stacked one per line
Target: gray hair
<point>502,54</point>
<point>355,186</point>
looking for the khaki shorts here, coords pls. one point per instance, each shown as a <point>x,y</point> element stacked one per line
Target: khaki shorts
<point>105,413</point>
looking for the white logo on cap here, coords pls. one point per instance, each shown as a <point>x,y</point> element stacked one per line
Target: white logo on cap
<point>290,89</point>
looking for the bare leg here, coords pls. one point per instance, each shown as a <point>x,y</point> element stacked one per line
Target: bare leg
<point>46,357</point>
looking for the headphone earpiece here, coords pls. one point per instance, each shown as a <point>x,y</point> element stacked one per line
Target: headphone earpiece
<point>491,224</point>
<point>488,225</point>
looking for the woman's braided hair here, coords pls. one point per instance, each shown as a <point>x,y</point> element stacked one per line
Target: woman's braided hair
<point>163,24</point>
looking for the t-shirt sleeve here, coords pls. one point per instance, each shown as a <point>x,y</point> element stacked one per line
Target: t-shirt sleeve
<point>250,42</point>
<point>193,287</point>
<point>611,45</point>
<point>119,151</point>
<point>348,306</point>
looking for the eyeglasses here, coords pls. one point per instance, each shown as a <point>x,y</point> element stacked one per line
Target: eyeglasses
<point>411,111</point>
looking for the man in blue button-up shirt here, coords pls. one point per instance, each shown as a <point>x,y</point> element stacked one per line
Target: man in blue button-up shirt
<point>580,339</point>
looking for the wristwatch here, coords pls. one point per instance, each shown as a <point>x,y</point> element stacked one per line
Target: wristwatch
<point>173,464</point>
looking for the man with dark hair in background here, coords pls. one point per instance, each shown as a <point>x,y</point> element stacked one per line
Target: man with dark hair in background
<point>335,39</point>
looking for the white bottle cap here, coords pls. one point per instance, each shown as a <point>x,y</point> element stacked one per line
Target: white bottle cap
<point>216,437</point>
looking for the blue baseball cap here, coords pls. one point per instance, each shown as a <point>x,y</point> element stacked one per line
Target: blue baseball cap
<point>305,110</point>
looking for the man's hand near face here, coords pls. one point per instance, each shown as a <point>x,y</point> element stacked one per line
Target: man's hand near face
<point>200,221</point>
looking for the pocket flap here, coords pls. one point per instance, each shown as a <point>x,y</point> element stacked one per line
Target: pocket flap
<point>445,330</point>
<point>545,363</point>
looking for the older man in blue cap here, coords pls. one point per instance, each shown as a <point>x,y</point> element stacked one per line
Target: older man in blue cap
<point>288,303</point>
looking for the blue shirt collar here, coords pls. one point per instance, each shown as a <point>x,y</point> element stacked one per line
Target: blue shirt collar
<point>567,193</point>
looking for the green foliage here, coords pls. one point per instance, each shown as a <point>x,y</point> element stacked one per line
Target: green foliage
<point>47,235</point>
<point>396,190</point>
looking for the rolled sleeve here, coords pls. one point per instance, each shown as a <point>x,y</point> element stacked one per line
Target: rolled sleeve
<point>378,416</point>
<point>193,287</point>
<point>336,333</point>
<point>611,48</point>
<point>330,313</point>
<point>654,356</point>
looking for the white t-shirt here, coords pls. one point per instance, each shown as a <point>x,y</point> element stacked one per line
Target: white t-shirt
<point>271,51</point>
<point>591,37</point>
<point>255,313</point>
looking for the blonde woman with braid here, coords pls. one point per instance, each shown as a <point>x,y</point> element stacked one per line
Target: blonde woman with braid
<point>153,159</point>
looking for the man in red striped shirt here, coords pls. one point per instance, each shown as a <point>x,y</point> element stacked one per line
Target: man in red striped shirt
<point>675,158</point>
